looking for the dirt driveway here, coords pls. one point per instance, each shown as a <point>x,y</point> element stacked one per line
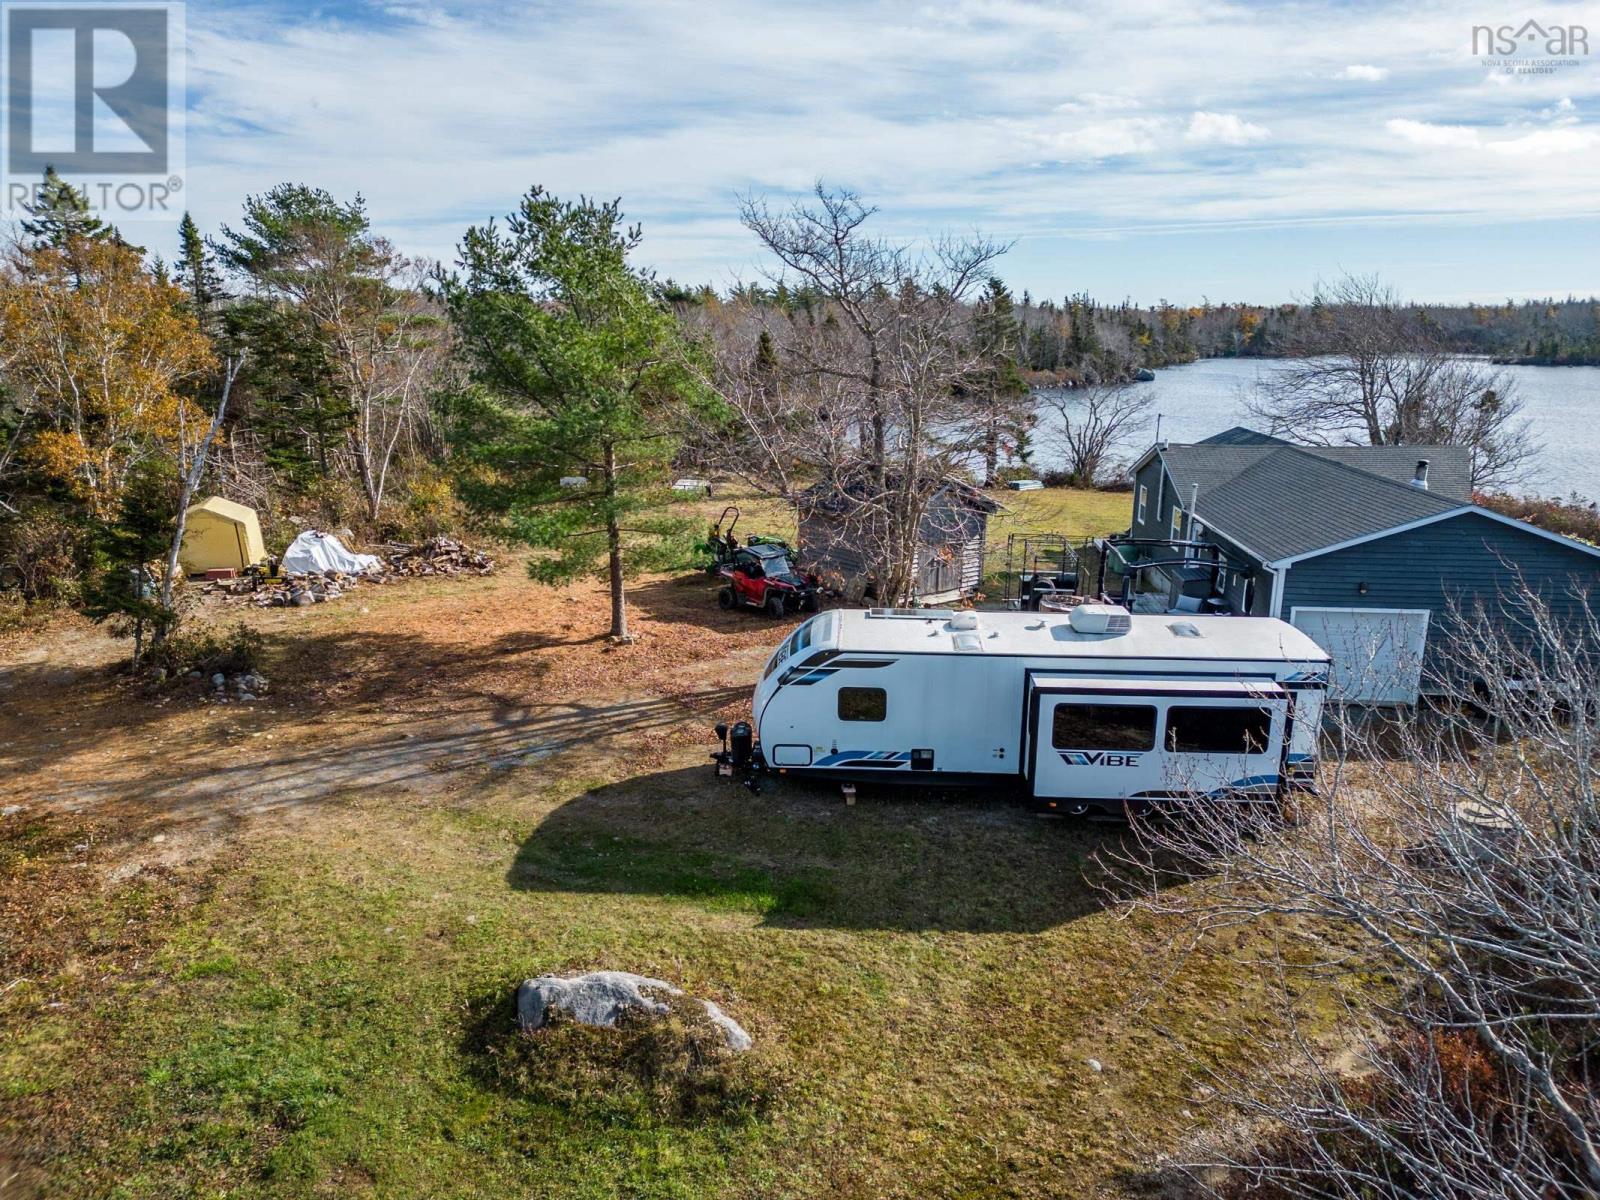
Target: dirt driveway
<point>404,685</point>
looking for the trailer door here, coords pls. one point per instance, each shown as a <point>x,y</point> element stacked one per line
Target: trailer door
<point>1121,739</point>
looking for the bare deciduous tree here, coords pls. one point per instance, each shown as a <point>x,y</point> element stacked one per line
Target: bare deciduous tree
<point>1458,849</point>
<point>194,451</point>
<point>1366,368</point>
<point>1093,423</point>
<point>868,401</point>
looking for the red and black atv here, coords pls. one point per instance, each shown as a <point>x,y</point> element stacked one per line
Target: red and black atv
<point>761,576</point>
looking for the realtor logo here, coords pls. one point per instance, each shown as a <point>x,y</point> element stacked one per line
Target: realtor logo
<point>95,91</point>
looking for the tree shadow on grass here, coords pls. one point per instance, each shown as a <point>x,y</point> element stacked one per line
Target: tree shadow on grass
<point>692,600</point>
<point>797,857</point>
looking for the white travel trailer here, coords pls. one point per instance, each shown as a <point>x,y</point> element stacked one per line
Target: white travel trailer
<point>1089,709</point>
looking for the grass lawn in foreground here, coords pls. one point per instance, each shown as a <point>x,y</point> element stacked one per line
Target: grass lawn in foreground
<point>927,980</point>
<point>270,950</point>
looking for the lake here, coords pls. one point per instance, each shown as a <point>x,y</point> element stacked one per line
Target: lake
<point>1563,403</point>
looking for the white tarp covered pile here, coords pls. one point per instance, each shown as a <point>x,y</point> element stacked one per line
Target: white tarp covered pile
<point>313,553</point>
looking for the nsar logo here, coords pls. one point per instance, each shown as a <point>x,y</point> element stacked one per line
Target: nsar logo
<point>1506,40</point>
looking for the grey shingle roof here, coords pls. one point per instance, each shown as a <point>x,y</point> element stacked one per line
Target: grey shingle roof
<point>1208,466</point>
<point>1222,458</point>
<point>1449,467</point>
<point>1293,500</point>
<point>1240,436</point>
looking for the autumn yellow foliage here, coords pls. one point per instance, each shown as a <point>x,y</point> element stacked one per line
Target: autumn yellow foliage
<point>102,353</point>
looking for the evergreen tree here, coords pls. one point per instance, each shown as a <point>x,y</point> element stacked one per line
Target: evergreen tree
<point>579,364</point>
<point>59,212</point>
<point>295,403</point>
<point>1003,391</point>
<point>1084,333</point>
<point>343,322</point>
<point>766,363</point>
<point>139,532</point>
<point>199,274</point>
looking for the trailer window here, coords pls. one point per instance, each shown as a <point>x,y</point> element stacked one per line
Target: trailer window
<point>1195,730</point>
<point>863,704</point>
<point>802,637</point>
<point>800,640</point>
<point>1104,727</point>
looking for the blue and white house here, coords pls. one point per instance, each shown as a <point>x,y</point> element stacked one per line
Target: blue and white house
<point>1365,548</point>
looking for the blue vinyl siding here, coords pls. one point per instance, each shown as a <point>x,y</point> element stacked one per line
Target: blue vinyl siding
<point>1158,506</point>
<point>1458,561</point>
<point>1158,524</point>
<point>1249,571</point>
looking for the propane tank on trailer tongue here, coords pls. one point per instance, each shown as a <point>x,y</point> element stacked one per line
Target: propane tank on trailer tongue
<point>738,748</point>
<point>741,741</point>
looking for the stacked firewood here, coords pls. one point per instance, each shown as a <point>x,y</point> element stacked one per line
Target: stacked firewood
<point>436,556</point>
<point>400,560</point>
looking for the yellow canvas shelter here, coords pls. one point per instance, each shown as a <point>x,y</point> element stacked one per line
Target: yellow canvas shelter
<point>220,533</point>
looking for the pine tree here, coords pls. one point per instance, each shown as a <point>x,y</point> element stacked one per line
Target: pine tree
<point>60,212</point>
<point>333,306</point>
<point>766,363</point>
<point>199,274</point>
<point>581,370</point>
<point>137,533</point>
<point>1085,334</point>
<point>1003,391</point>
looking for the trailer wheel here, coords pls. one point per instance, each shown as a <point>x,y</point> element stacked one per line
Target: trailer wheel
<point>775,605</point>
<point>725,598</point>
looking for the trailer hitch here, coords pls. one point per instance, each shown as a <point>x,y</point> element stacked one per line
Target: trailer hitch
<point>739,754</point>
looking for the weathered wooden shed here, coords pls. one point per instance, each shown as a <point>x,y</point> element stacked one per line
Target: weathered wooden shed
<point>836,528</point>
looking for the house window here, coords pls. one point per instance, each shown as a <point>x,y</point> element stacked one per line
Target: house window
<point>1144,500</point>
<point>1177,523</point>
<point>1195,730</point>
<point>863,704</point>
<point>1103,727</point>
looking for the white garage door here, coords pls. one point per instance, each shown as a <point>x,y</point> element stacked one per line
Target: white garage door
<point>1377,652</point>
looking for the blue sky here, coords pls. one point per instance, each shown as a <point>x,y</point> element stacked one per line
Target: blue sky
<point>1144,148</point>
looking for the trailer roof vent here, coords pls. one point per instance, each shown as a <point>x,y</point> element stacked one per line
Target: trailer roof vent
<point>912,614</point>
<point>1100,618</point>
<point>964,620</point>
<point>967,643</point>
<point>1185,629</point>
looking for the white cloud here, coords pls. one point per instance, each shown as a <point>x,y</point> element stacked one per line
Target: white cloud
<point>1008,115</point>
<point>1364,73</point>
<point>1225,129</point>
<point>1535,143</point>
<point>1562,112</point>
<point>1543,143</point>
<point>1422,133</point>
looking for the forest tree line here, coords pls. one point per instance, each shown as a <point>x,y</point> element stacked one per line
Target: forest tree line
<point>1079,339</point>
<point>299,363</point>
